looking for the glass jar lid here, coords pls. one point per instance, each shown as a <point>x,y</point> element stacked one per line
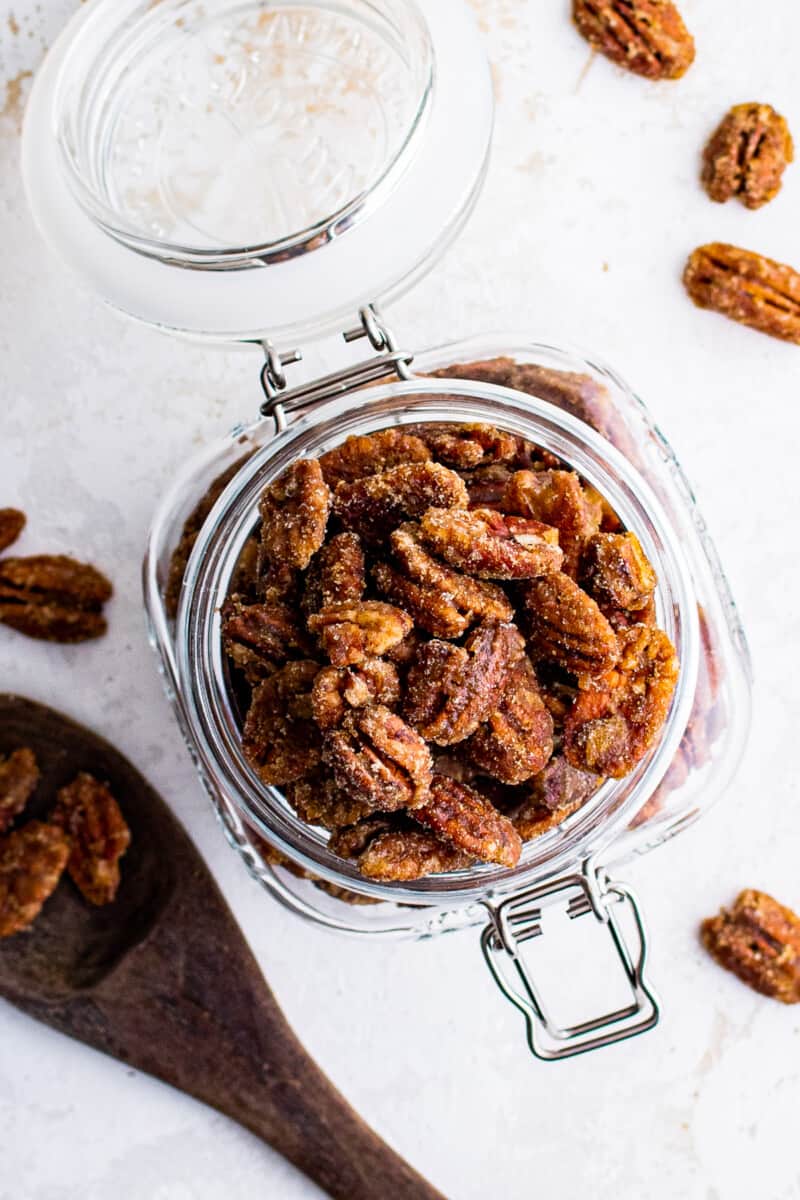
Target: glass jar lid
<point>236,171</point>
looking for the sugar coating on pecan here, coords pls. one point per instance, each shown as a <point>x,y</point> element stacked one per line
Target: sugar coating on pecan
<point>407,854</point>
<point>53,597</point>
<point>281,739</point>
<point>352,632</point>
<point>557,499</point>
<point>257,638</point>
<point>647,37</point>
<point>371,454</point>
<point>489,545</point>
<point>336,690</point>
<point>19,775</point>
<point>618,715</point>
<point>531,820</point>
<point>98,837</point>
<point>451,689</point>
<point>377,758</point>
<point>566,626</point>
<point>12,523</point>
<point>746,287</point>
<point>746,155</point>
<point>294,514</point>
<point>319,800</point>
<point>466,446</point>
<point>758,939</point>
<point>32,861</point>
<point>342,577</point>
<point>516,740</point>
<point>462,816</point>
<point>377,504</point>
<point>617,573</point>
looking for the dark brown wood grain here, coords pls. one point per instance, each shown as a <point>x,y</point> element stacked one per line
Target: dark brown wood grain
<point>163,980</point>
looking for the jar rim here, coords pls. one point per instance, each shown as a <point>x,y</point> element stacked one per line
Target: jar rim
<point>207,709</point>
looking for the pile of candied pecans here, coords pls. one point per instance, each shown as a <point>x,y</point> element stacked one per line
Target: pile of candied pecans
<point>443,641</point>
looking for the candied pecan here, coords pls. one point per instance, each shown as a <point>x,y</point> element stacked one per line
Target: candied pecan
<point>280,739</point>
<point>466,446</point>
<point>517,738</point>
<point>560,785</point>
<point>531,820</point>
<point>294,514</point>
<point>451,689</point>
<point>32,860</point>
<point>407,854</point>
<point>338,689</point>
<point>341,570</point>
<point>377,504</point>
<point>647,37</point>
<point>53,597</point>
<point>567,627</point>
<point>618,717</point>
<point>616,572</point>
<point>259,637</point>
<point>377,758</point>
<point>12,523</point>
<point>602,514</point>
<point>623,618</point>
<point>489,545</point>
<point>98,837</point>
<point>556,498</point>
<point>371,454</point>
<point>487,485</point>
<point>464,817</point>
<point>351,633</point>
<point>747,155</point>
<point>19,775</point>
<point>746,287</point>
<point>319,800</point>
<point>352,840</point>
<point>404,653</point>
<point>759,940</point>
<point>441,601</point>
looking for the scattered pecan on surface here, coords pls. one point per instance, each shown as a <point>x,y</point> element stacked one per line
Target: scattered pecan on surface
<point>12,523</point>
<point>747,287</point>
<point>53,597</point>
<point>32,861</point>
<point>647,37</point>
<point>98,836</point>
<point>746,155</point>
<point>19,775</point>
<point>758,939</point>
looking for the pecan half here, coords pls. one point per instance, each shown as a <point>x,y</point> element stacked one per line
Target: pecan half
<point>341,570</point>
<point>617,573</point>
<point>319,800</point>
<point>280,739</point>
<point>19,775</point>
<point>464,817</point>
<point>371,454</point>
<point>12,523</point>
<point>377,504</point>
<point>560,785</point>
<point>517,738</point>
<point>557,499</point>
<point>647,37</point>
<point>294,514</point>
<point>617,718</point>
<point>402,855</point>
<point>489,545</point>
<point>351,633</point>
<point>759,940</point>
<point>378,759</point>
<point>451,689</point>
<point>746,287</point>
<point>53,597</point>
<point>567,627</point>
<point>98,836</point>
<point>338,689</point>
<point>32,860</point>
<point>466,446</point>
<point>260,637</point>
<point>747,155</point>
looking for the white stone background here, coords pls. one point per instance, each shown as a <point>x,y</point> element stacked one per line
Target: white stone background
<point>591,205</point>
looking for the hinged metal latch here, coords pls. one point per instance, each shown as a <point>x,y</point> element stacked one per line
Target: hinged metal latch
<point>514,922</point>
<point>387,360</point>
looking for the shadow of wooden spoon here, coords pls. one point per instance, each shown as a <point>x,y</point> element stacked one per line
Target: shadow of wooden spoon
<point>164,980</point>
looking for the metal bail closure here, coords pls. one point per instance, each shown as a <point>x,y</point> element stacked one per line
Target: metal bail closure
<point>517,921</point>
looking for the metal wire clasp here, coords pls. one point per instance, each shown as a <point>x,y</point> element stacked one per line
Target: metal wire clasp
<point>517,920</point>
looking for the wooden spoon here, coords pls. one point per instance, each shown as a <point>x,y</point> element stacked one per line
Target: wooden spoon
<point>164,980</point>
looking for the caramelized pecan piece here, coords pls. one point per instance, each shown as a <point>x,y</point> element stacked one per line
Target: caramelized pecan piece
<point>531,820</point>
<point>12,523</point>
<point>567,627</point>
<point>280,739</point>
<point>489,545</point>
<point>617,573</point>
<point>747,155</point>
<point>466,446</point>
<point>259,637</point>
<point>19,775</point>
<point>351,633</point>
<point>517,738</point>
<point>377,504</point>
<point>389,849</point>
<point>338,689</point>
<point>376,758</point>
<point>294,514</point>
<point>647,37</point>
<point>487,485</point>
<point>98,836</point>
<point>759,940</point>
<point>451,689</point>
<point>556,498</point>
<point>560,785</point>
<point>32,860</point>
<point>319,800</point>
<point>53,597</point>
<point>464,817</point>
<point>341,570</point>
<point>618,717</point>
<point>746,287</point>
<point>371,454</point>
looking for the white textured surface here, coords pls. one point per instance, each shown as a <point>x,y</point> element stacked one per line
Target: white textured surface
<point>591,206</point>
